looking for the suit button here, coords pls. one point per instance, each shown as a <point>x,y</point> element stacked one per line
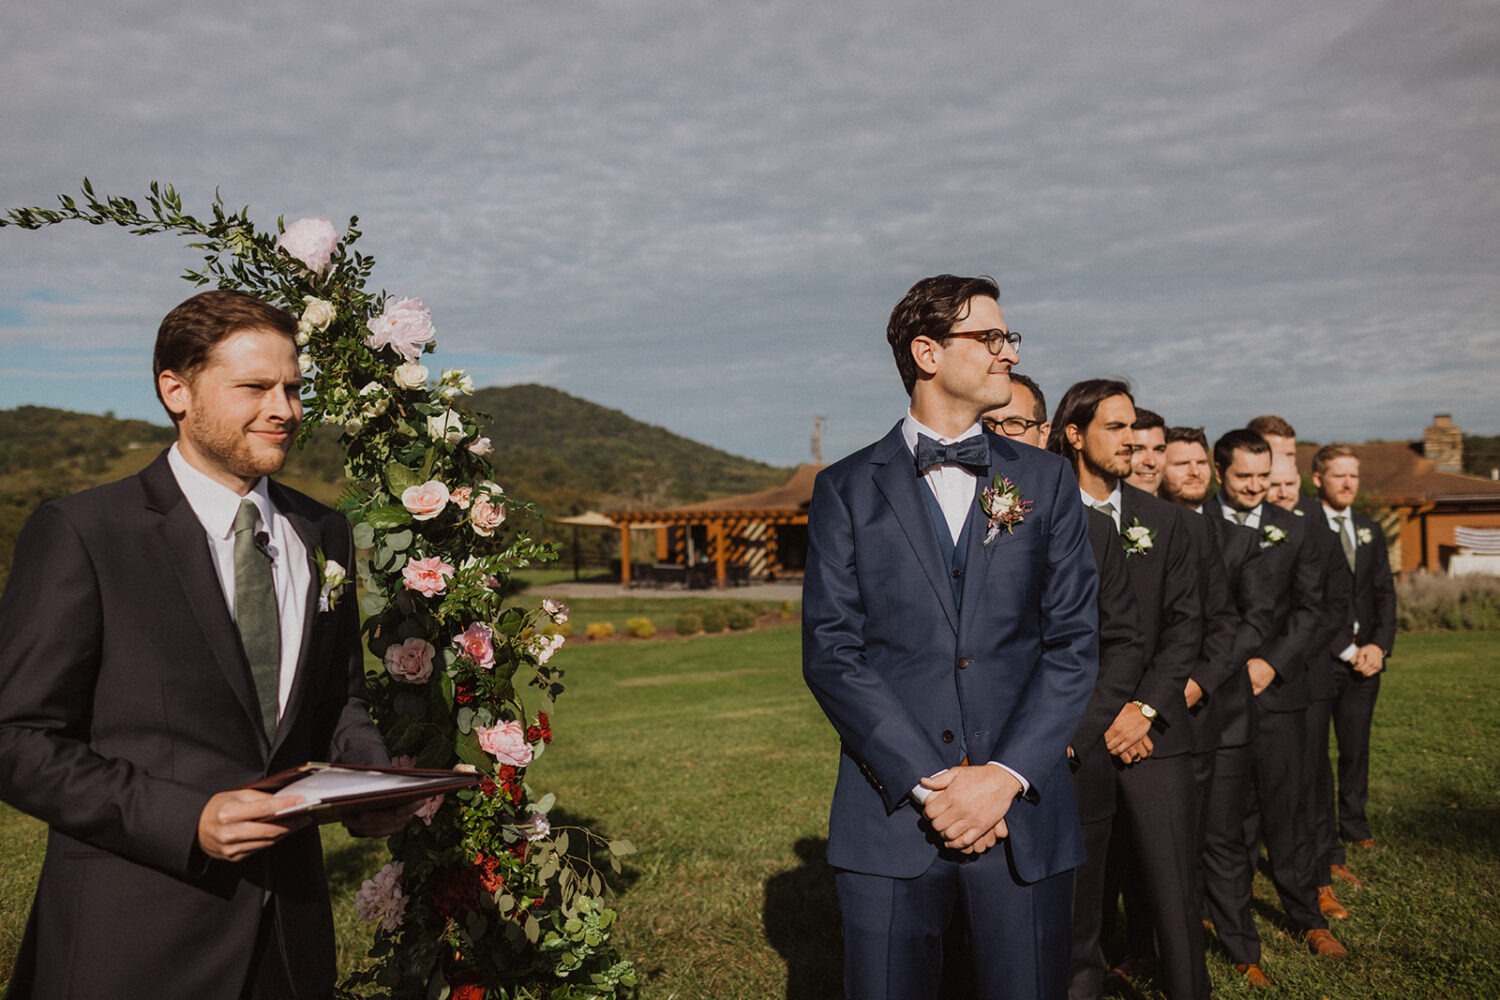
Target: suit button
<point>958,574</point>
<point>963,663</point>
<point>947,736</point>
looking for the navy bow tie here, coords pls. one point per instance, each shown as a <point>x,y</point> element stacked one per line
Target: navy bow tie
<point>972,453</point>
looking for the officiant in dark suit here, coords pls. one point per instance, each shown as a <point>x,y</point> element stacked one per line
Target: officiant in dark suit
<point>949,633</point>
<point>164,640</point>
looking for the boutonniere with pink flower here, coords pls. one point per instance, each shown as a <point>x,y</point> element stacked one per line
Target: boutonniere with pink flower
<point>332,577</point>
<point>1003,504</point>
<point>1137,538</point>
<point>1366,536</point>
<point>1271,535</point>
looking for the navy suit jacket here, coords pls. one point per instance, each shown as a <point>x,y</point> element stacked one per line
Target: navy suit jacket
<point>912,683</point>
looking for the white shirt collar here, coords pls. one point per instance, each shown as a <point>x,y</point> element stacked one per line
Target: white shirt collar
<point>911,427</point>
<point>216,504</point>
<point>1113,499</point>
<point>1333,515</point>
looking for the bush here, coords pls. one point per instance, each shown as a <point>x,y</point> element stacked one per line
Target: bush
<point>640,628</point>
<point>601,630</point>
<point>739,617</point>
<point>565,629</point>
<point>788,610</point>
<point>714,619</point>
<point>688,624</point>
<point>1448,604</point>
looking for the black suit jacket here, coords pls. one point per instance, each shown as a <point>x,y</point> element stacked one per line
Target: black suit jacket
<point>1165,581</point>
<point>1374,597</point>
<point>1292,572</point>
<point>1226,684</point>
<point>125,703</point>
<point>1221,624</point>
<point>1336,628</point>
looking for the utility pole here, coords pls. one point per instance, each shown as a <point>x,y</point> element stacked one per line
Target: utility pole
<point>817,440</point>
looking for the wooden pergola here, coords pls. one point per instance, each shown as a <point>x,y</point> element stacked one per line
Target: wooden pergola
<point>743,533</point>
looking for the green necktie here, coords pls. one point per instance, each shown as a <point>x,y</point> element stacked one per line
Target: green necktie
<point>255,614</point>
<point>1345,539</point>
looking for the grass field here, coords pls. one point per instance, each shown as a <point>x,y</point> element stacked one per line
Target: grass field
<point>711,757</point>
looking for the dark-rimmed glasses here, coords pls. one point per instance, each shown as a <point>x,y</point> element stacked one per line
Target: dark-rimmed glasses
<point>1012,426</point>
<point>993,340</point>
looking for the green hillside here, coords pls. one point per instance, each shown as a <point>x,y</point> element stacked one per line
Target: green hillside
<point>564,453</point>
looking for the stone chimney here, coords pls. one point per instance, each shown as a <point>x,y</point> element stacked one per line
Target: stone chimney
<point>1443,442</point>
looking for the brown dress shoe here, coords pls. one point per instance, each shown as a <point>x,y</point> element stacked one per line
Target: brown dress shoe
<point>1343,874</point>
<point>1133,967</point>
<point>1329,904</point>
<point>1368,844</point>
<point>1253,975</point>
<point>1323,944</point>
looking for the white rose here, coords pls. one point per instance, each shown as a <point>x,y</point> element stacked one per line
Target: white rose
<point>411,375</point>
<point>482,447</point>
<point>317,313</point>
<point>305,363</point>
<point>446,426</point>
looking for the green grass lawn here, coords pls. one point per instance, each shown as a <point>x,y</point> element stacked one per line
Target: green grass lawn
<point>711,757</point>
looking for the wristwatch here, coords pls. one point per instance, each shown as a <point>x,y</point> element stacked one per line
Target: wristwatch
<point>1146,710</point>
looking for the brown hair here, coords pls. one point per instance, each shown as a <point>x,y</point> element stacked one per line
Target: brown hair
<point>1268,423</point>
<point>1191,435</point>
<point>189,333</point>
<point>930,309</point>
<point>1328,453</point>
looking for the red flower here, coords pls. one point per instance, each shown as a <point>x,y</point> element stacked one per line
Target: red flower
<point>541,731</point>
<point>455,892</point>
<point>520,849</point>
<point>463,694</point>
<point>465,986</point>
<point>487,787</point>
<point>489,873</point>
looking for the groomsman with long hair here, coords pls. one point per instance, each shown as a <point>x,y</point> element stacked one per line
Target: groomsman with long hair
<point>1092,429</point>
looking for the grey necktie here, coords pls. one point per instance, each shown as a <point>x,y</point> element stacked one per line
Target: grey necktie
<point>1107,509</point>
<point>1241,516</point>
<point>1345,539</point>
<point>255,613</point>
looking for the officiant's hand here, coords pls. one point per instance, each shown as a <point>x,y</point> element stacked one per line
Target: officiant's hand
<point>968,805</point>
<point>381,822</point>
<point>237,823</point>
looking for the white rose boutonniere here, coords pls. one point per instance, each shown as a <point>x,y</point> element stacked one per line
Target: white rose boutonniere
<point>1271,535</point>
<point>1137,538</point>
<point>1366,536</point>
<point>1002,503</point>
<point>332,579</point>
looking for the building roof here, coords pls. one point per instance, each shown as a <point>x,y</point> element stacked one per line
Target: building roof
<point>792,497</point>
<point>1395,472</point>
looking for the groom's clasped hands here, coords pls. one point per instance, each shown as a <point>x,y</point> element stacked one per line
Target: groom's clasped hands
<point>967,806</point>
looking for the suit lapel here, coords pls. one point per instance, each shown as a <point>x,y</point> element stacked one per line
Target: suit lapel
<point>896,478</point>
<point>311,542</point>
<point>182,535</point>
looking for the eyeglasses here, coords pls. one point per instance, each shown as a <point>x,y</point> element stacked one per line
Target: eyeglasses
<point>1012,426</point>
<point>993,340</point>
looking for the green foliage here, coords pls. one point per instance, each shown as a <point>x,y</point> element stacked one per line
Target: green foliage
<point>640,628</point>
<point>1481,454</point>
<point>714,618</point>
<point>688,624</point>
<point>488,896</point>
<point>600,630</point>
<point>740,617</point>
<point>1448,604</point>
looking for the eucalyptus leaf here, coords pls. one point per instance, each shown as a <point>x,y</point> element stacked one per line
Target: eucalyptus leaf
<point>400,541</point>
<point>364,535</point>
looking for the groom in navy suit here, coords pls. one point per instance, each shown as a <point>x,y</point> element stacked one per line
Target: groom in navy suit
<point>949,633</point>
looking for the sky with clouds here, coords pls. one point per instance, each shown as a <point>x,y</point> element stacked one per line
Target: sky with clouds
<point>702,214</point>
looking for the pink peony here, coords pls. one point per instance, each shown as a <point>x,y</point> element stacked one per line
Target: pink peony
<point>428,577</point>
<point>505,742</point>
<point>426,501</point>
<point>405,327</point>
<point>410,661</point>
<point>487,512</point>
<point>381,898</point>
<point>477,645</point>
<point>312,241</point>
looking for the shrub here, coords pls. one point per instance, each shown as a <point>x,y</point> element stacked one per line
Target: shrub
<point>713,619</point>
<point>688,624</point>
<point>788,609</point>
<point>601,630</point>
<point>739,617</point>
<point>640,628</point>
<point>1446,603</point>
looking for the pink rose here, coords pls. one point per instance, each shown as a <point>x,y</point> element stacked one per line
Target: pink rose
<point>410,661</point>
<point>425,501</point>
<point>405,327</point>
<point>477,645</point>
<point>543,646</point>
<point>555,609</point>
<point>487,512</point>
<point>429,808</point>
<point>505,742</point>
<point>481,447</point>
<point>461,496</point>
<point>428,577</point>
<point>312,241</point>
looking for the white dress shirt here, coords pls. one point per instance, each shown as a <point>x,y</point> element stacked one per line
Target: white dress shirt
<point>1350,651</point>
<point>953,485</point>
<point>291,571</point>
<point>1113,499</point>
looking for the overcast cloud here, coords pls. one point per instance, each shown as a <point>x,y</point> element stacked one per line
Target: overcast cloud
<point>701,214</point>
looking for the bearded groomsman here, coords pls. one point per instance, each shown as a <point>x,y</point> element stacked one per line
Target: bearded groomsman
<point>1358,670</point>
<point>1092,429</point>
<point>1112,730</point>
<point>1278,681</point>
